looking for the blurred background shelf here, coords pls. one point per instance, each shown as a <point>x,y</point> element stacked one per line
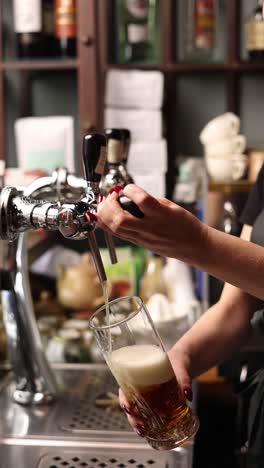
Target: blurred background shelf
<point>195,92</point>
<point>32,65</point>
<point>231,187</point>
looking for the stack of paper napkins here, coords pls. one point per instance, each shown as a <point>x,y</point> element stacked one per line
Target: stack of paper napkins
<point>133,100</point>
<point>45,142</point>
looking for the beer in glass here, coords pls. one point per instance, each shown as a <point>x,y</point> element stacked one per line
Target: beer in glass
<point>136,357</point>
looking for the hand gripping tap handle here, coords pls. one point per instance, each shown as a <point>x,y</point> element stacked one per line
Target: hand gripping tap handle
<point>130,206</point>
<point>94,159</point>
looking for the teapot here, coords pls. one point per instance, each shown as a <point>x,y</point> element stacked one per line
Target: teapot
<point>78,285</point>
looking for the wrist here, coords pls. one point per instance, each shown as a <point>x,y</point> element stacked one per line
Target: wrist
<point>195,247</point>
<point>179,355</point>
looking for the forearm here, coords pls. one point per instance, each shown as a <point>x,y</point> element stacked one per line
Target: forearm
<point>231,259</point>
<point>217,334</point>
<point>171,231</point>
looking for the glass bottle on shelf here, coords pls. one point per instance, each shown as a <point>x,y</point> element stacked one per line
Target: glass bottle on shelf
<point>126,137</point>
<point>27,16</point>
<point>65,28</point>
<point>48,27</point>
<point>201,36</point>
<point>229,222</point>
<point>137,31</point>
<point>254,33</point>
<point>152,281</point>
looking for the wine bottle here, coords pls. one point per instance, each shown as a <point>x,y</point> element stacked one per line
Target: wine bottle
<point>138,37</point>
<point>204,25</point>
<point>48,27</point>
<point>254,34</point>
<point>65,28</point>
<point>28,28</point>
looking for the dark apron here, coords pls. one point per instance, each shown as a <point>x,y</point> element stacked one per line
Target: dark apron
<point>251,391</point>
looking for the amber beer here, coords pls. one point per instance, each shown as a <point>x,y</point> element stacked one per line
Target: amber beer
<point>147,379</point>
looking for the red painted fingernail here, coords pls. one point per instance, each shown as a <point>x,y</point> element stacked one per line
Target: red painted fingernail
<point>116,188</point>
<point>126,409</point>
<point>139,428</point>
<point>188,393</point>
<point>101,197</point>
<point>91,216</point>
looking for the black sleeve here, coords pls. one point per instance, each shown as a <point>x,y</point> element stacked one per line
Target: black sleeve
<point>255,201</point>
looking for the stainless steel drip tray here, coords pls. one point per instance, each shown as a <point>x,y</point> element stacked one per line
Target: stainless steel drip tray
<point>95,408</point>
<point>84,408</point>
<point>96,456</point>
<point>76,431</point>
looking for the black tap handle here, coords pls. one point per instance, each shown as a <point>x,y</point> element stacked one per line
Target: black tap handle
<point>126,137</point>
<point>94,156</point>
<point>130,206</point>
<point>113,134</point>
<point>126,134</point>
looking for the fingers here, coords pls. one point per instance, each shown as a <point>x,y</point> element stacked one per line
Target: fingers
<point>136,424</point>
<point>144,231</point>
<point>182,375</point>
<point>116,219</point>
<point>185,383</point>
<point>143,200</point>
<point>110,211</point>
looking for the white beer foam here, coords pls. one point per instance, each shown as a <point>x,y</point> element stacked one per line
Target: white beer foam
<point>141,365</point>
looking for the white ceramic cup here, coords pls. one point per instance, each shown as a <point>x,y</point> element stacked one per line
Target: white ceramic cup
<point>227,169</point>
<point>224,126</point>
<point>223,148</point>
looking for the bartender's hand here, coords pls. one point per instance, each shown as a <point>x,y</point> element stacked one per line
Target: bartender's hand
<point>166,229</point>
<point>180,363</point>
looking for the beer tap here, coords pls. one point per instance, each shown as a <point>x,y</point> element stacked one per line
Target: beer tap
<point>112,176</point>
<point>94,159</point>
<point>73,219</point>
<point>20,212</point>
<point>34,380</point>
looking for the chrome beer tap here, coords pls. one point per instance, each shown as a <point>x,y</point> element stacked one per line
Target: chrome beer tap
<point>35,382</point>
<point>19,212</point>
<point>73,219</point>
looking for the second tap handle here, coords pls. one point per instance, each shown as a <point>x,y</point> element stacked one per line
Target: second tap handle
<point>111,247</point>
<point>97,257</point>
<point>94,156</point>
<point>130,206</point>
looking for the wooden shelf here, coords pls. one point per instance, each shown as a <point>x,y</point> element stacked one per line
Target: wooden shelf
<point>211,377</point>
<point>238,67</point>
<point>62,64</point>
<point>230,187</point>
<point>138,66</point>
<point>247,66</point>
<point>173,67</point>
<point>196,67</point>
<point>169,67</point>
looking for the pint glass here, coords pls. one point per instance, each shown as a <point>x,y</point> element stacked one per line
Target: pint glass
<point>136,357</point>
